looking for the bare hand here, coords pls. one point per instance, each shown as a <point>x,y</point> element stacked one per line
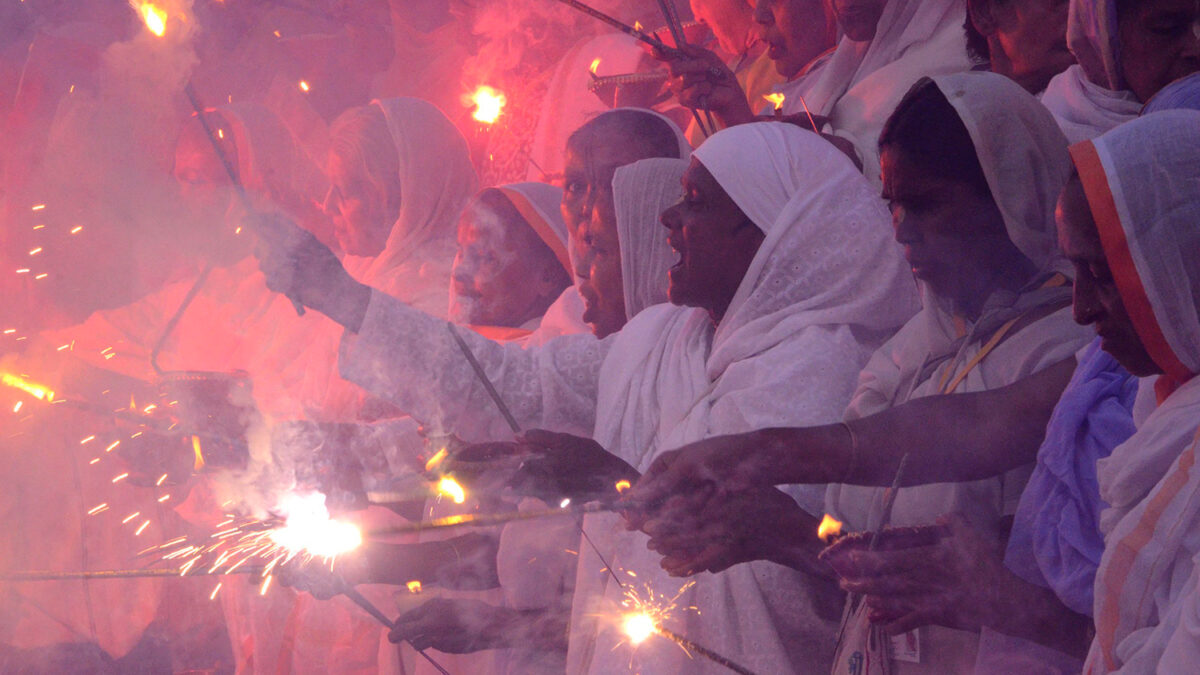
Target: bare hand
<point>563,465</point>
<point>700,79</point>
<point>315,576</point>
<point>451,626</point>
<point>298,265</point>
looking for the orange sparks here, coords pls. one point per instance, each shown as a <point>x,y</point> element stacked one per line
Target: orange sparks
<point>112,446</point>
<point>265,585</point>
<point>436,459</point>
<point>17,406</point>
<point>130,517</point>
<point>448,487</point>
<point>414,586</point>
<point>304,86</point>
<point>213,595</point>
<point>77,229</point>
<point>36,251</point>
<point>23,270</point>
<point>637,25</point>
<point>35,390</point>
<point>43,275</point>
<point>161,480</point>
<point>777,99</point>
<point>488,102</point>
<point>138,532</point>
<point>94,460</point>
<point>120,477</point>
<point>99,508</point>
<point>623,485</point>
<point>163,498</point>
<point>38,207</point>
<point>829,528</point>
<point>638,627</point>
<point>154,18</point>
<point>595,66</point>
<point>87,440</point>
<point>198,462</point>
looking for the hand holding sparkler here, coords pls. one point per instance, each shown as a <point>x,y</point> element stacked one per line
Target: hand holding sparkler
<point>701,80</point>
<point>298,265</point>
<point>562,465</point>
<point>461,626</point>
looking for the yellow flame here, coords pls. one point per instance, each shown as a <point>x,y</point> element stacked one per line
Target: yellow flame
<point>776,98</point>
<point>638,627</point>
<point>489,104</point>
<point>595,65</point>
<point>198,464</point>
<point>436,459</point>
<point>154,18</point>
<point>829,528</point>
<point>623,485</point>
<point>34,389</point>
<point>637,25</point>
<point>448,487</point>
<point>414,586</point>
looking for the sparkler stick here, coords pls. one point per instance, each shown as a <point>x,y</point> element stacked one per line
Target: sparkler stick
<point>483,379</point>
<point>888,502</point>
<point>680,41</point>
<point>702,651</point>
<point>369,607</point>
<point>636,33</point>
<point>488,519</point>
<point>47,575</point>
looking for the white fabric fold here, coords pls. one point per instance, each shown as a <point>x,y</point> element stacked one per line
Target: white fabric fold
<point>641,192</point>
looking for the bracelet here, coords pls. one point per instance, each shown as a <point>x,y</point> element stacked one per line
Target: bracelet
<point>853,453</point>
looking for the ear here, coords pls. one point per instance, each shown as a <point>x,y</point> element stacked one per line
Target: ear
<point>982,14</point>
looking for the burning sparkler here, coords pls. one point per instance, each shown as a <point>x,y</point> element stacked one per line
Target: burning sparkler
<point>489,104</point>
<point>40,392</point>
<point>448,487</point>
<point>154,17</point>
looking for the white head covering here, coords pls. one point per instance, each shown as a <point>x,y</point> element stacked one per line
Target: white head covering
<point>685,148</point>
<point>641,192</point>
<point>1023,155</point>
<point>269,163</point>
<point>1143,187</point>
<point>436,179</point>
<point>1092,38</point>
<point>538,204</point>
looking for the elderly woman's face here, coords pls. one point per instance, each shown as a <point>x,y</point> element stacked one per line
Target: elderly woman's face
<point>1096,299</point>
<point>794,30</point>
<point>715,242</point>
<point>1159,43</point>
<point>358,208</point>
<point>1033,36</point>
<point>604,294</point>
<point>859,19</point>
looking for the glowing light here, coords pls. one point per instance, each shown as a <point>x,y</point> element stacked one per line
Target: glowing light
<point>23,270</point>
<point>35,390</point>
<point>17,406</point>
<point>154,18</point>
<point>213,595</point>
<point>77,229</point>
<point>120,477</point>
<point>198,463</point>
<point>87,440</point>
<point>489,104</point>
<point>309,529</point>
<point>39,207</point>
<point>623,485</point>
<point>637,25</point>
<point>99,508</point>
<point>163,498</point>
<point>141,528</point>
<point>265,585</point>
<point>448,487</point>
<point>414,586</point>
<point>777,99</point>
<point>130,517</point>
<point>161,480</point>
<point>220,133</point>
<point>638,627</point>
<point>595,66</point>
<point>36,251</point>
<point>112,446</point>
<point>829,528</point>
<point>564,503</point>
<point>436,459</point>
<point>43,275</point>
<point>304,86</point>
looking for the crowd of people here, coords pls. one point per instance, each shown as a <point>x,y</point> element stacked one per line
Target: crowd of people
<point>846,336</point>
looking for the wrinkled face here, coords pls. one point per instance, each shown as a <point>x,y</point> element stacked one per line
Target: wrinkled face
<point>1033,35</point>
<point>794,30</point>
<point>1159,43</point>
<point>952,235</point>
<point>204,185</point>
<point>715,242</point>
<point>587,208</point>
<point>727,19</point>
<point>1096,299</point>
<point>858,19</point>
<point>358,208</point>
<point>495,281</point>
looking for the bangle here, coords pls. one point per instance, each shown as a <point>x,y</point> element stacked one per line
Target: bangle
<point>853,453</point>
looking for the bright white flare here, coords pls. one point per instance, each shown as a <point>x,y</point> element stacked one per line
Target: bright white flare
<point>309,529</point>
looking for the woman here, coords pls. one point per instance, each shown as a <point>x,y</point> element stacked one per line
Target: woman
<point>775,322</point>
<point>1127,51</point>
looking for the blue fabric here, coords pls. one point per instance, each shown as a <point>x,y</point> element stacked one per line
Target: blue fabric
<point>1056,541</point>
<point>1182,93</point>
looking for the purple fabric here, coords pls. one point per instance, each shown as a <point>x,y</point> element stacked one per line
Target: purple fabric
<point>1182,93</point>
<point>1056,541</point>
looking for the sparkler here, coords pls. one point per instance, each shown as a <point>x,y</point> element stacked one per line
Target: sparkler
<point>38,391</point>
<point>488,519</point>
<point>676,28</point>
<point>489,104</point>
<point>633,31</point>
<point>154,18</point>
<point>483,379</point>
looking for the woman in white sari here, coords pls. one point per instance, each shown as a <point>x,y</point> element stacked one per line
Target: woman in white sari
<point>776,234</point>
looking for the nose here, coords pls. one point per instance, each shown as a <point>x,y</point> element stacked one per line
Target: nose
<point>905,227</point>
<point>670,218</point>
<point>1085,301</point>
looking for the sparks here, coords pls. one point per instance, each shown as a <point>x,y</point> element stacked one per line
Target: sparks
<point>77,229</point>
<point>161,480</point>
<point>213,595</point>
<point>638,627</point>
<point>35,390</point>
<point>154,18</point>
<point>163,498</point>
<point>130,517</point>
<point>36,251</point>
<point>112,446</point>
<point>623,485</point>
<point>38,207</point>
<point>777,99</point>
<point>141,527</point>
<point>829,528</point>
<point>436,459</point>
<point>448,487</point>
<point>17,406</point>
<point>309,529</point>
<point>198,462</point>
<point>265,585</point>
<point>120,477</point>
<point>99,508</point>
<point>304,86</point>
<point>87,440</point>
<point>647,611</point>
<point>488,102</point>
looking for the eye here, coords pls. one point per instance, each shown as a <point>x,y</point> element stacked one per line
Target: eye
<point>575,187</point>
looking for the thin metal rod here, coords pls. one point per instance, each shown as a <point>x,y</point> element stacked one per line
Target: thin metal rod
<point>370,608</point>
<point>621,26</point>
<point>487,519</point>
<point>703,651</point>
<point>170,327</point>
<point>483,379</point>
<point>47,575</point>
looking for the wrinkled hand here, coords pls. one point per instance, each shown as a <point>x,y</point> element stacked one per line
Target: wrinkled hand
<point>298,265</point>
<point>453,626</point>
<point>740,527</point>
<point>316,578</point>
<point>958,582</point>
<point>563,465</point>
<point>691,475</point>
<point>700,79</point>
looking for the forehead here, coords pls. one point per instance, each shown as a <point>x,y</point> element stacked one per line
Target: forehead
<point>1077,233</point>
<point>600,153</point>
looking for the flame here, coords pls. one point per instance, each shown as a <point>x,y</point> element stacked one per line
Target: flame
<point>198,464</point>
<point>154,18</point>
<point>638,627</point>
<point>595,66</point>
<point>414,586</point>
<point>309,529</point>
<point>448,487</point>
<point>35,390</point>
<point>304,85</point>
<point>637,25</point>
<point>829,528</point>
<point>436,459</point>
<point>777,98</point>
<point>623,485</point>
<point>489,104</point>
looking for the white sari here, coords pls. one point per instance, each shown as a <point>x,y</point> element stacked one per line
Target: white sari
<point>1143,186</point>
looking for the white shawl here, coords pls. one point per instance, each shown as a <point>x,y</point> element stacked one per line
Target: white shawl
<point>641,192</point>
<point>785,353</point>
<point>1142,182</point>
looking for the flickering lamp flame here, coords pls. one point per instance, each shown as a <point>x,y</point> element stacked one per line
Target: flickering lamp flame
<point>638,627</point>
<point>309,529</point>
<point>198,462</point>
<point>595,66</point>
<point>436,459</point>
<point>637,25</point>
<point>448,487</point>
<point>776,99</point>
<point>154,17</point>
<point>489,104</point>
<point>623,485</point>
<point>829,528</point>
<point>34,389</point>
<point>414,586</point>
